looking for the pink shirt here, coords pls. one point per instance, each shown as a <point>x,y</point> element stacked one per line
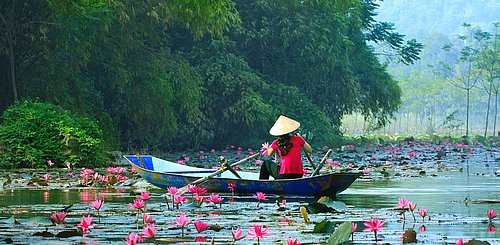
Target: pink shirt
<point>292,162</point>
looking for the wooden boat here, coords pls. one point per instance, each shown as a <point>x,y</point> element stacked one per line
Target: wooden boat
<point>164,174</point>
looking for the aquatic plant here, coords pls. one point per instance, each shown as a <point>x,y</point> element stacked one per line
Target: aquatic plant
<point>402,204</point>
<point>149,232</point>
<point>231,187</point>
<point>295,241</point>
<point>179,200</point>
<point>148,219</point>
<point>58,217</point>
<point>260,196</point>
<point>50,163</point>
<point>97,205</point>
<point>138,204</point>
<point>459,242</point>
<point>144,196</point>
<point>181,221</point>
<point>215,198</point>
<point>353,229</point>
<point>133,239</point>
<point>200,226</point>
<point>237,235</point>
<point>412,207</point>
<point>423,213</point>
<point>85,224</point>
<point>258,232</point>
<point>374,225</point>
<point>491,214</point>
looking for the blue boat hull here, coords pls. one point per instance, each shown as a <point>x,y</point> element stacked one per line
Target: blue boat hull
<point>321,185</point>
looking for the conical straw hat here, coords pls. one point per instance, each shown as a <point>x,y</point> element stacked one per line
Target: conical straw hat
<point>284,125</point>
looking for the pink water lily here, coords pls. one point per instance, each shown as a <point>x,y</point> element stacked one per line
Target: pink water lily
<point>403,204</point>
<point>200,226</point>
<point>137,204</point>
<point>260,196</point>
<point>257,232</point>
<point>172,190</point>
<point>144,196</point>
<point>491,214</point>
<point>423,213</point>
<point>97,205</point>
<point>68,165</point>
<point>50,163</point>
<point>58,217</point>
<point>374,225</point>
<point>133,239</point>
<point>181,221</point>
<point>85,224</point>
<point>412,207</point>
<point>179,200</point>
<point>46,177</point>
<point>459,242</point>
<point>148,219</point>
<point>237,234</point>
<point>215,198</point>
<point>149,231</point>
<point>231,187</point>
<point>295,241</point>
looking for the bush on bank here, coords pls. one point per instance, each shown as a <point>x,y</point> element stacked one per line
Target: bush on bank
<point>34,132</point>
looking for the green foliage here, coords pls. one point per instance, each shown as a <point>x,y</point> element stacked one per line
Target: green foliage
<point>341,233</point>
<point>34,132</point>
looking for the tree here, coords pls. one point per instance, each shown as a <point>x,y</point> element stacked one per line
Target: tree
<point>490,81</point>
<point>464,71</point>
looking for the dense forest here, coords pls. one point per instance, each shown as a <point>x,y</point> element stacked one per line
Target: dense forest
<point>433,101</point>
<point>165,74</point>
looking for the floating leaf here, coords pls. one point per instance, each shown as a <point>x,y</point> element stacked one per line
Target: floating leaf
<point>477,242</point>
<point>341,234</point>
<point>69,233</point>
<point>324,226</point>
<point>38,220</point>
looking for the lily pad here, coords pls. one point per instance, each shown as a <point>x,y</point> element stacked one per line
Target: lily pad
<point>38,220</point>
<point>341,234</point>
<point>325,226</point>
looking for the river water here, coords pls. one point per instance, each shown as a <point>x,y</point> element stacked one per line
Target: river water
<point>456,195</point>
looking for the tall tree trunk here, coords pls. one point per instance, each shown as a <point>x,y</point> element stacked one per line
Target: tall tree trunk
<point>467,117</point>
<point>488,112</point>
<point>495,118</point>
<point>12,65</point>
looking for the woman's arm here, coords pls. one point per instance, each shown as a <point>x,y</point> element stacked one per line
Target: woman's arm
<point>270,151</point>
<point>307,147</point>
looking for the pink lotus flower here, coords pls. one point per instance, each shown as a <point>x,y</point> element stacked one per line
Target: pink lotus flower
<point>374,225</point>
<point>85,224</point>
<point>180,199</point>
<point>259,162</point>
<point>68,165</point>
<point>491,214</point>
<point>180,162</point>
<point>144,196</point>
<point>289,241</point>
<point>231,187</point>
<point>354,227</point>
<point>148,219</point>
<point>215,198</point>
<point>260,196</point>
<point>237,234</point>
<point>200,239</point>
<point>172,190</point>
<point>402,203</point>
<point>200,226</point>
<point>412,207</point>
<point>97,205</point>
<point>58,217</point>
<point>70,174</point>
<point>459,242</point>
<point>186,159</point>
<point>492,229</point>
<point>149,231</point>
<point>422,229</point>
<point>46,177</point>
<point>137,204</point>
<point>351,165</point>
<point>258,232</point>
<point>182,221</point>
<point>50,163</point>
<point>329,161</point>
<point>133,239</point>
<point>366,171</point>
<point>422,213</point>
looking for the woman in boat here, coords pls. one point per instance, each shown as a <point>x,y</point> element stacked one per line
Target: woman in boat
<point>288,146</point>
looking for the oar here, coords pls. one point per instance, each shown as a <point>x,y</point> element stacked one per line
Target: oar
<point>309,159</point>
<point>320,165</point>
<point>210,176</point>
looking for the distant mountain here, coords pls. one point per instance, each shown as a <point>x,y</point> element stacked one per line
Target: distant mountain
<point>419,18</point>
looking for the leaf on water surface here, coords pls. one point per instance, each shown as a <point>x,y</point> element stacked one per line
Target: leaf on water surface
<point>38,220</point>
<point>410,236</point>
<point>11,220</point>
<point>324,226</point>
<point>69,233</point>
<point>477,242</point>
<point>44,234</point>
<point>341,234</point>
<point>216,227</point>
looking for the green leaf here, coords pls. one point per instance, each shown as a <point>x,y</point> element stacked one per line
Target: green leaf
<point>324,226</point>
<point>38,220</point>
<point>341,234</point>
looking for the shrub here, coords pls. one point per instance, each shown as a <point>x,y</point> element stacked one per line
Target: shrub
<point>34,132</point>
